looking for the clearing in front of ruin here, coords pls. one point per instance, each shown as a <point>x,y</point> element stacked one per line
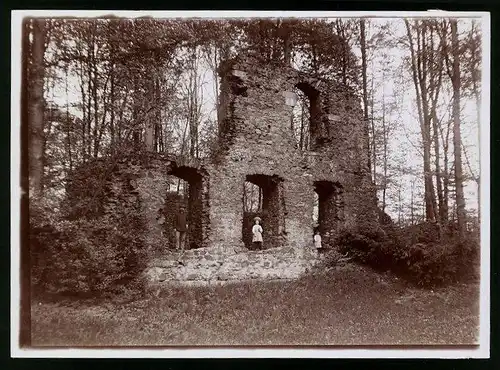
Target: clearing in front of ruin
<point>349,305</point>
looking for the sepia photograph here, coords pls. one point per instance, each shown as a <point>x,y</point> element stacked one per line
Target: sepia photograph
<point>250,180</point>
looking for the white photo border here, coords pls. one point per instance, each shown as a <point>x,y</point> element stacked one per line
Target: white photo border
<point>481,351</point>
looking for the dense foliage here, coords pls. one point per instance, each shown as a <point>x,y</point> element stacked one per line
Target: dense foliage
<point>420,256</point>
<point>86,256</point>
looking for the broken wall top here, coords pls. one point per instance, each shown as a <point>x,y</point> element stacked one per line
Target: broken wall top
<point>248,67</point>
<point>256,104</point>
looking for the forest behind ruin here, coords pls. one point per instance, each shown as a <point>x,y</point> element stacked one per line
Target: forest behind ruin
<point>94,89</point>
<point>100,86</point>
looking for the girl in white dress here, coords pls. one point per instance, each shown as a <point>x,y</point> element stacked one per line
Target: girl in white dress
<point>317,239</point>
<point>257,234</point>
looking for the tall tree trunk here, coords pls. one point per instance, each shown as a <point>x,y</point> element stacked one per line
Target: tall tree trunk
<point>112,106</point>
<point>430,197</point>
<point>446,181</point>
<point>446,172</point>
<point>216,80</point>
<point>245,198</point>
<point>161,140</point>
<point>252,197</point>
<point>419,75</point>
<point>385,154</point>
<point>89,100</point>
<point>84,113</point>
<point>287,48</point>
<point>435,83</point>
<point>437,166</point>
<point>275,50</point>
<point>362,32</point>
<point>260,199</point>
<point>158,128</point>
<point>459,193</point>
<point>68,124</point>
<point>94,93</point>
<point>120,127</point>
<point>196,112</point>
<point>192,108</point>
<point>150,121</point>
<point>477,95</point>
<point>446,189</point>
<point>341,32</point>
<point>36,108</point>
<point>136,129</point>
<point>374,142</point>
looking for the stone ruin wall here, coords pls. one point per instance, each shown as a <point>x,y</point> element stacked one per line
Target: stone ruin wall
<point>257,140</point>
<point>142,183</point>
<point>256,144</point>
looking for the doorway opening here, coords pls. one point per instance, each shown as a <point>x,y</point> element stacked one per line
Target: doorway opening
<point>263,197</point>
<point>185,191</point>
<point>328,209</point>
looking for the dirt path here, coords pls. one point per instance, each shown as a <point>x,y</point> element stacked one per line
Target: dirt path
<point>351,305</point>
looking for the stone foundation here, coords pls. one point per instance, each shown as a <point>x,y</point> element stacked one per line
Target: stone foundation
<point>209,265</point>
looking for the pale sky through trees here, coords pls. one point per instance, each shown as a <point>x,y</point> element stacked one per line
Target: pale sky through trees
<point>391,81</point>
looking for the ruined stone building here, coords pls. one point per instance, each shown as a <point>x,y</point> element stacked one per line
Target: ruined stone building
<point>257,145</point>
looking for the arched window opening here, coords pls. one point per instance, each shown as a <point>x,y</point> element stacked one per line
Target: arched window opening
<point>306,118</point>
<point>300,120</point>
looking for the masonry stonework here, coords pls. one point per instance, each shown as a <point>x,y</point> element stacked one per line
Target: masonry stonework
<point>256,144</point>
<point>256,141</point>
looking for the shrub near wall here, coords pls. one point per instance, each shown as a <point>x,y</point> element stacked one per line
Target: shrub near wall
<point>427,261</point>
<point>86,189</point>
<point>87,257</point>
